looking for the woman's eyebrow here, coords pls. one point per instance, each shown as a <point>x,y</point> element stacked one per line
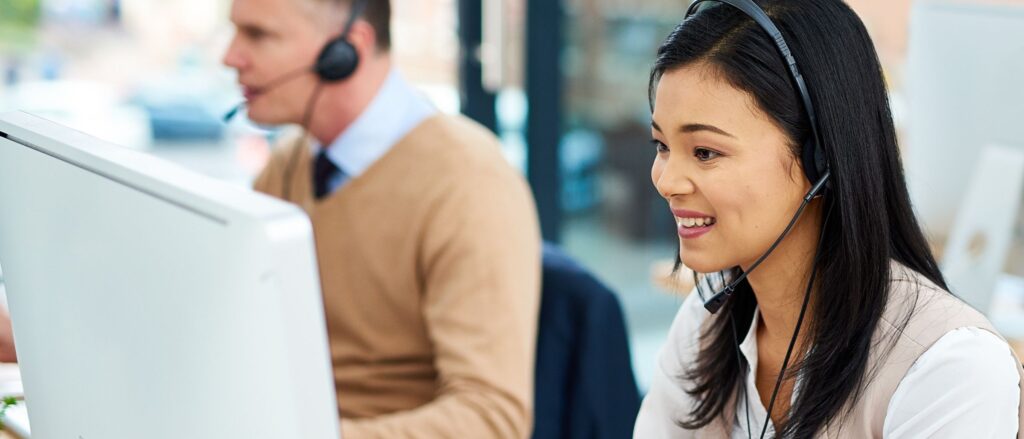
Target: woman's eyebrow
<point>694,127</point>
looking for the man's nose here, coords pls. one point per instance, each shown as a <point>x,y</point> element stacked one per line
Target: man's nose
<point>233,55</point>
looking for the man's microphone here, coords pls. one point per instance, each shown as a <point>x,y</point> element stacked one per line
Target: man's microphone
<point>716,301</point>
<point>270,85</point>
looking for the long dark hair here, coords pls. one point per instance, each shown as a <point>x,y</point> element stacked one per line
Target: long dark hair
<point>871,220</point>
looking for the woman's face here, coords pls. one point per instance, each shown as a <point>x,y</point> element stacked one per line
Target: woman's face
<point>724,167</point>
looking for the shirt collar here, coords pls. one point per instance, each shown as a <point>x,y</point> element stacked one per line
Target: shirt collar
<point>748,345</point>
<point>396,109</point>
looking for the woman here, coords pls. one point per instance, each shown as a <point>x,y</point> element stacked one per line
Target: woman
<point>838,322</point>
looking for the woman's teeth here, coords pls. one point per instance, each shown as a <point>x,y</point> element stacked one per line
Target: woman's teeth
<point>694,222</point>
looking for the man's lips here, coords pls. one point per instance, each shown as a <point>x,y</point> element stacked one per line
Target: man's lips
<point>251,93</point>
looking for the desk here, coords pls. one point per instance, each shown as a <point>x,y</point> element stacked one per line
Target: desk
<point>10,385</point>
<point>16,423</point>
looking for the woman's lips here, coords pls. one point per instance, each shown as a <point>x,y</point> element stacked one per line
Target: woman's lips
<point>692,224</point>
<point>693,232</point>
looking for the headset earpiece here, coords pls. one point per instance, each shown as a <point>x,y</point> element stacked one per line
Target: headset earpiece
<point>813,159</point>
<point>337,60</point>
<point>813,162</point>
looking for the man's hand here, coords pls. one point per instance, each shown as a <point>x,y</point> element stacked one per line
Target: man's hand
<point>7,353</point>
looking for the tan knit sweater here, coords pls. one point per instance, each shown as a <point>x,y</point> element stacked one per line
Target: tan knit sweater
<point>430,270</point>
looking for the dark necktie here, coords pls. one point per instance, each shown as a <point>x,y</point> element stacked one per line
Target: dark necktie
<point>323,171</point>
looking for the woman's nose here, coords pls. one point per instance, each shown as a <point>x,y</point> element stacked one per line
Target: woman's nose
<point>673,179</point>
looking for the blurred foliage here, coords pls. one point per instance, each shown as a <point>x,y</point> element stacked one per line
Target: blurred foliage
<point>18,20</point>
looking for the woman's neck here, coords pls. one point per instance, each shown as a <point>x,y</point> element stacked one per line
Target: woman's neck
<point>780,282</point>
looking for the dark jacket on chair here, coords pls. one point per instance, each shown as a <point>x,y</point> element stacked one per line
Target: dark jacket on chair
<point>584,379</point>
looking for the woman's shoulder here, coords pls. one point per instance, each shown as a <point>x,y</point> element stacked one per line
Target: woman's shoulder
<point>920,311</point>
<point>927,342</point>
<point>965,379</point>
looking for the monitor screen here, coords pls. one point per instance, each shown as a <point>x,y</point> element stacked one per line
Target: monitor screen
<point>151,302</point>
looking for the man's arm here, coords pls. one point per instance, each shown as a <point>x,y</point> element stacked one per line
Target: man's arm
<point>481,264</point>
<point>7,353</point>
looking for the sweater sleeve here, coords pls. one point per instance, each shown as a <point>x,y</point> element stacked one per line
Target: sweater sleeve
<point>262,181</point>
<point>269,180</point>
<point>480,264</point>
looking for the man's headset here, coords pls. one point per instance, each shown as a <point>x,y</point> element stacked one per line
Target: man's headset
<point>815,167</point>
<point>812,155</point>
<point>337,60</point>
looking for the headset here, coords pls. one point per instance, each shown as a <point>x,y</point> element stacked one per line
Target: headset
<point>813,159</point>
<point>339,59</point>
<point>815,166</point>
<point>336,61</point>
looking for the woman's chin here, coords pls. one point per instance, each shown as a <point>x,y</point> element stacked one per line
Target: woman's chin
<point>702,264</point>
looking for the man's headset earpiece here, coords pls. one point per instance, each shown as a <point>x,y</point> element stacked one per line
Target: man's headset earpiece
<point>339,59</point>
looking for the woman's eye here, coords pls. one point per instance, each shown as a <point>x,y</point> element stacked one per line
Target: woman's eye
<point>660,147</point>
<point>704,154</point>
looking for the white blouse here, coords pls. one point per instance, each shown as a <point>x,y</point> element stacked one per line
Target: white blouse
<point>964,385</point>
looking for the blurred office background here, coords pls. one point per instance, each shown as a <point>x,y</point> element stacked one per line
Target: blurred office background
<point>563,83</point>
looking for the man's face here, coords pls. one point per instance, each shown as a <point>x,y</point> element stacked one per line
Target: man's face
<point>274,39</point>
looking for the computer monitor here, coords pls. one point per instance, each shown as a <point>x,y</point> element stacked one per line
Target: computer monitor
<point>151,302</point>
<point>965,90</point>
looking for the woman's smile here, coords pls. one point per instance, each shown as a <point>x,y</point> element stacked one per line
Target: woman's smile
<point>691,224</point>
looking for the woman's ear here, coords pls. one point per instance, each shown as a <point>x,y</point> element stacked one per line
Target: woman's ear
<point>792,165</point>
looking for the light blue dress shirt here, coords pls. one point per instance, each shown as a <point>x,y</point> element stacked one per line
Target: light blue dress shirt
<point>396,109</point>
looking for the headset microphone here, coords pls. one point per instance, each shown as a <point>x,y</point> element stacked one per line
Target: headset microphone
<point>718,299</point>
<point>233,111</point>
<point>270,85</point>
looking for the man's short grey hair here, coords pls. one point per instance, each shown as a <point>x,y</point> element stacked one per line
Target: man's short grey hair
<point>334,12</point>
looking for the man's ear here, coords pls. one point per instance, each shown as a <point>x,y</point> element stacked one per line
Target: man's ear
<point>363,37</point>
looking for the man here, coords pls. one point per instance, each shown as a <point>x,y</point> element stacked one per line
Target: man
<point>427,239</point>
